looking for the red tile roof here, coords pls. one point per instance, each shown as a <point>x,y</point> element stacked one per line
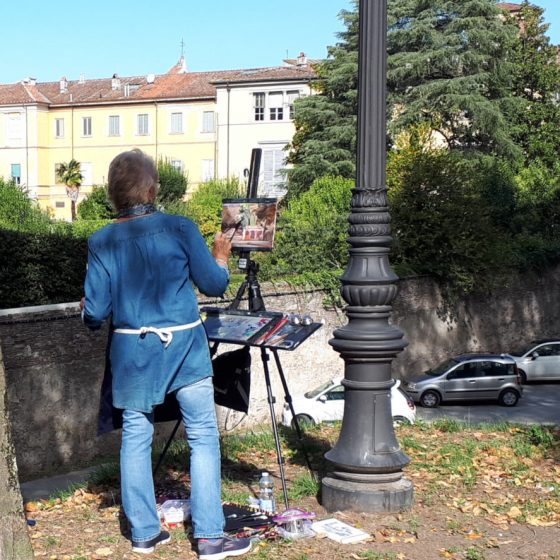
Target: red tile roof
<point>509,6</point>
<point>170,86</point>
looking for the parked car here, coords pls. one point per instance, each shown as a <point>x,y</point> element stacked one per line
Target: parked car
<point>468,377</point>
<point>326,403</point>
<point>539,360</point>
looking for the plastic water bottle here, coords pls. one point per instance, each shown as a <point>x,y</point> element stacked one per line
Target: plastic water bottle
<point>266,493</point>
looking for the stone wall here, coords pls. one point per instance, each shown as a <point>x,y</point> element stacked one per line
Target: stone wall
<point>54,365</point>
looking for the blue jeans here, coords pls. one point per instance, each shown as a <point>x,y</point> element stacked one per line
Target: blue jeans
<point>196,402</point>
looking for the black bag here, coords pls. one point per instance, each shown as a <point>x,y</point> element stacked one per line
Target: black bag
<point>232,379</point>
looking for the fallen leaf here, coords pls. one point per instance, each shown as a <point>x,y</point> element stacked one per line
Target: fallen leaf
<point>536,522</point>
<point>104,551</point>
<point>514,512</point>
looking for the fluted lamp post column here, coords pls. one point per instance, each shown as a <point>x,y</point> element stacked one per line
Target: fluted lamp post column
<point>367,460</point>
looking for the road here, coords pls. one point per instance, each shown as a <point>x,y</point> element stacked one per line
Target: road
<point>540,404</point>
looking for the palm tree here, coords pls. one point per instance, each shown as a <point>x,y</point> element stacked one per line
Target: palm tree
<point>69,174</point>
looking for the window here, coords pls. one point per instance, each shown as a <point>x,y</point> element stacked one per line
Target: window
<point>86,126</point>
<point>275,101</point>
<point>177,164</point>
<point>208,121</point>
<point>292,96</point>
<point>114,125</point>
<point>14,127</point>
<point>548,350</point>
<point>142,128</point>
<point>497,369</point>
<point>337,394</point>
<point>176,123</point>
<point>59,128</point>
<point>274,183</point>
<point>207,169</point>
<point>467,371</point>
<point>59,204</point>
<point>16,173</point>
<point>258,100</point>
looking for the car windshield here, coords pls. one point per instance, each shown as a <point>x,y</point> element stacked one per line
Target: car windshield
<point>442,368</point>
<point>522,350</point>
<point>318,390</point>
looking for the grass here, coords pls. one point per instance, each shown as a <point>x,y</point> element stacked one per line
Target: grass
<point>303,486</point>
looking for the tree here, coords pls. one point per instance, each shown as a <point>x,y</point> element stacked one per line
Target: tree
<point>442,224</point>
<point>173,182</point>
<point>14,539</point>
<point>18,212</point>
<point>96,206</point>
<point>536,79</point>
<point>70,174</point>
<point>448,66</point>
<point>325,139</point>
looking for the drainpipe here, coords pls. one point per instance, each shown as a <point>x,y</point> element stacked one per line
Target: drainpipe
<point>227,130</point>
<point>72,133</point>
<point>156,130</point>
<point>26,148</point>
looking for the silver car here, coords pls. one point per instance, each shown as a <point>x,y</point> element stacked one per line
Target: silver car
<point>539,360</point>
<point>468,377</point>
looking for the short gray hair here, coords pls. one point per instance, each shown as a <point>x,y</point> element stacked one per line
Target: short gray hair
<point>131,176</point>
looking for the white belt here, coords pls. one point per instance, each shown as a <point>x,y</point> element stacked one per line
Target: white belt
<point>165,333</point>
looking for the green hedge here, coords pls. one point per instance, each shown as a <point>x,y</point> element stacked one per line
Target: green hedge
<point>37,269</point>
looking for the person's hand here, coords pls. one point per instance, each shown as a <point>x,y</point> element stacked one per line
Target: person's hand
<point>82,303</point>
<point>222,247</point>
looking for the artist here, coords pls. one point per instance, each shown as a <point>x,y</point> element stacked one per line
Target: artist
<point>140,270</point>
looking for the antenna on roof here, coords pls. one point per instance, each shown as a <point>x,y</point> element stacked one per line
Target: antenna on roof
<point>182,47</point>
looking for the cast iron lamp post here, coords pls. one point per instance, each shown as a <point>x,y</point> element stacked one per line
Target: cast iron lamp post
<point>367,460</point>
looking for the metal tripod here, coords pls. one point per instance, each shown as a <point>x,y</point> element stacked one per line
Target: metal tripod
<point>255,304</point>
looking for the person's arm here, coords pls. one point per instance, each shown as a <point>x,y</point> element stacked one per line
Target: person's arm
<point>97,301</point>
<point>208,271</point>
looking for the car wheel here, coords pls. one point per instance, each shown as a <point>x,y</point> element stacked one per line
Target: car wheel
<point>523,376</point>
<point>509,397</point>
<point>400,421</point>
<point>304,421</point>
<point>430,399</point>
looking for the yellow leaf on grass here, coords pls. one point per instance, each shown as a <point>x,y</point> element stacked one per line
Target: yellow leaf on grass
<point>536,522</point>
<point>105,551</point>
<point>514,512</point>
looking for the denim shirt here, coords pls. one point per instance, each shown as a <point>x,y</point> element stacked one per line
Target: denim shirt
<point>141,273</point>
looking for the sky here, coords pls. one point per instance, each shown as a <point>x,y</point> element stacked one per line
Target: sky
<point>48,40</point>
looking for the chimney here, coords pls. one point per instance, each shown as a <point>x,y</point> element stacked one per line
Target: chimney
<point>115,82</point>
<point>182,65</point>
<point>150,78</point>
<point>63,84</point>
<point>30,81</point>
<point>82,79</point>
<point>301,59</point>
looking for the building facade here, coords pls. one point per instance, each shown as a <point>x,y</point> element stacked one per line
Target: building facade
<point>205,123</point>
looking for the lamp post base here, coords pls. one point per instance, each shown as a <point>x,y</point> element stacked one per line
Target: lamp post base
<point>371,497</point>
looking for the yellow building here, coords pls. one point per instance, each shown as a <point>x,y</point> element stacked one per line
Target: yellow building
<point>178,115</point>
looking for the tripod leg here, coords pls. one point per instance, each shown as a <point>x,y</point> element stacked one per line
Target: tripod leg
<point>160,460</point>
<point>238,296</point>
<point>288,399</point>
<point>271,401</point>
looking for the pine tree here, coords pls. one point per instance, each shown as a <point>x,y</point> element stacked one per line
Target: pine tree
<point>325,138</point>
<point>536,120</point>
<point>447,66</point>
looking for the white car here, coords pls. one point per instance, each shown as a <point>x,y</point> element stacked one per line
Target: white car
<point>539,360</point>
<point>326,404</point>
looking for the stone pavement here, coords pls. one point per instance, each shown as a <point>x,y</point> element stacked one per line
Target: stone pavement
<point>43,488</point>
